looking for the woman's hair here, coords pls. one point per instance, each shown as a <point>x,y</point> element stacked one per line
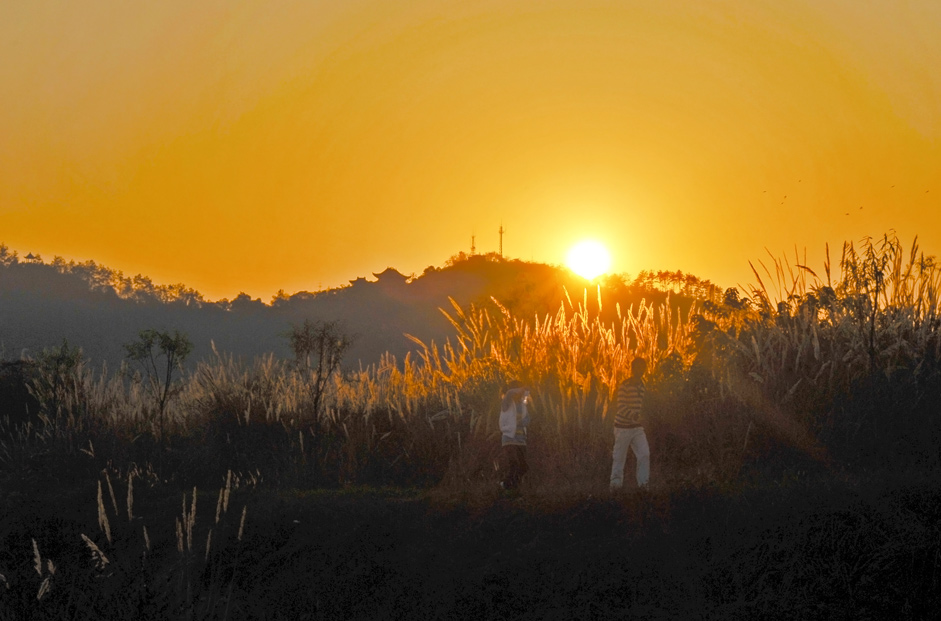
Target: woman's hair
<point>510,385</point>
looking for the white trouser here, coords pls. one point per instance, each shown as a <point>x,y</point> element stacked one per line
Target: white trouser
<point>636,439</point>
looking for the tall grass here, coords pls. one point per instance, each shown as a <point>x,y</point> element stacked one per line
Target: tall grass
<point>141,563</point>
<point>832,366</point>
<point>413,421</point>
<point>853,358</point>
<point>828,371</point>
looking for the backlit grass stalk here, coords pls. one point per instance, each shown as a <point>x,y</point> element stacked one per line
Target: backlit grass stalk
<point>831,337</point>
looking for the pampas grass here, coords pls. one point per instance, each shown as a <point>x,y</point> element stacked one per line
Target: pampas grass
<point>817,375</point>
<point>787,366</point>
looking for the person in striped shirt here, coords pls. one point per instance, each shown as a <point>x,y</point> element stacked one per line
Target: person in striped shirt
<point>629,427</point>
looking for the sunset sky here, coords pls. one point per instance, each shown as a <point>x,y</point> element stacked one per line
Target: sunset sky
<point>249,145</point>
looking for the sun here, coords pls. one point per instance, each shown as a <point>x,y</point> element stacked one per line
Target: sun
<point>589,259</point>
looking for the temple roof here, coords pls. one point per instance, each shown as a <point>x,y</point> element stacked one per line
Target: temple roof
<point>389,273</point>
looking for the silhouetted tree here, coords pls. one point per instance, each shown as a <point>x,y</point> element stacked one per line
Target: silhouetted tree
<point>6,257</point>
<point>318,352</point>
<point>280,298</point>
<point>244,303</point>
<point>160,354</point>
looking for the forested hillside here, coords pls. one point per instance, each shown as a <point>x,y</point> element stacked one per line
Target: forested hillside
<point>99,309</point>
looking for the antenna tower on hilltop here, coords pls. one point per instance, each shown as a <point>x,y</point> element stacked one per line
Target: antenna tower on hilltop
<point>473,247</point>
<point>501,239</point>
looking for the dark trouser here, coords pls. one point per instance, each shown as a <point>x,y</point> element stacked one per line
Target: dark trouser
<point>514,465</point>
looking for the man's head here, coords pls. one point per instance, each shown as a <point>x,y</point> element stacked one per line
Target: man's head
<point>514,385</point>
<point>638,367</point>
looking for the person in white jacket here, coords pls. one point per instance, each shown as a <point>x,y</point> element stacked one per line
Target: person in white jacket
<point>514,419</point>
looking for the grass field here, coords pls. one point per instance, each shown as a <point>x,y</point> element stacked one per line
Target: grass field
<point>809,549</point>
<point>795,468</point>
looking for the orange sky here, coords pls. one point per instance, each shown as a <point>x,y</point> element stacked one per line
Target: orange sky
<point>261,145</point>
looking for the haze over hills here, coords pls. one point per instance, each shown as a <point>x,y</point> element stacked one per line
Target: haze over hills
<point>99,310</point>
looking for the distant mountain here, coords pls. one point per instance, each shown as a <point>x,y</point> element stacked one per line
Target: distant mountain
<point>99,310</point>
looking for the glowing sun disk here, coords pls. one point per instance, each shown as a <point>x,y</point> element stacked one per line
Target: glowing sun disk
<point>589,259</point>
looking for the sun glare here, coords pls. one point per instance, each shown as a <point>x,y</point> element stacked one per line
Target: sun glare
<point>589,259</point>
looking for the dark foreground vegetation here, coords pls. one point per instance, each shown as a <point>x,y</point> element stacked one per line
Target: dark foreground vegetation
<point>795,437</point>
<point>807,549</point>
